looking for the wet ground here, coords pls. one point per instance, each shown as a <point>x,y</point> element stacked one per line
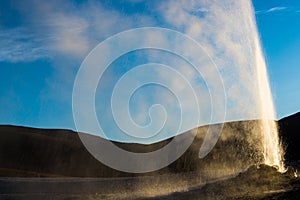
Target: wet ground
<point>255,183</point>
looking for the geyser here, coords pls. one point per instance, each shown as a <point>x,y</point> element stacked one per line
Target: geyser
<point>236,82</point>
<point>228,30</point>
<point>272,149</point>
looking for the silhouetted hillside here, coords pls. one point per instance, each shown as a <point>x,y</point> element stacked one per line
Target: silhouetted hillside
<point>289,128</point>
<point>52,152</point>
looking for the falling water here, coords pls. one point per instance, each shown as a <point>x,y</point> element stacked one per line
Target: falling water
<point>272,149</point>
<point>228,33</point>
<point>252,81</point>
<point>248,73</point>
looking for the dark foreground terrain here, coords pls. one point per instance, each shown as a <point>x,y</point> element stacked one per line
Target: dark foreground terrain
<point>53,164</point>
<point>255,183</point>
<point>29,152</point>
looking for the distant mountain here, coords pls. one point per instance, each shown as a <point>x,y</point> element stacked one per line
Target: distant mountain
<point>35,152</point>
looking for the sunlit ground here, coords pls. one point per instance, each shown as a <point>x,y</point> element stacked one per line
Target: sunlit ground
<point>255,183</point>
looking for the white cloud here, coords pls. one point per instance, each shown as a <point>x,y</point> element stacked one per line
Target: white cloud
<point>276,9</point>
<point>228,34</point>
<point>17,45</point>
<point>226,30</point>
<point>68,34</point>
<point>272,10</point>
<point>62,28</point>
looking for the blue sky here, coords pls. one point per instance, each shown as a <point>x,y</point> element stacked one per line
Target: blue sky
<point>279,27</point>
<point>43,44</point>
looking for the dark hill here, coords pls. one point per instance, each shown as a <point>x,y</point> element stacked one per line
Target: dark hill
<point>289,128</point>
<point>53,152</point>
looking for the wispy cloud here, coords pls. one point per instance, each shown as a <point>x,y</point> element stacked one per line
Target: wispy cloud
<point>19,45</point>
<point>226,30</point>
<point>276,9</point>
<point>231,47</point>
<point>62,28</point>
<point>226,33</point>
<point>272,10</point>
